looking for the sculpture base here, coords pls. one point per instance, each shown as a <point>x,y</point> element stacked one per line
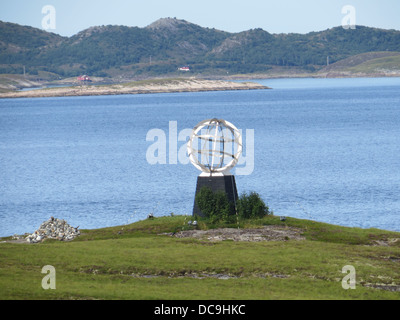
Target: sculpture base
<point>216,183</point>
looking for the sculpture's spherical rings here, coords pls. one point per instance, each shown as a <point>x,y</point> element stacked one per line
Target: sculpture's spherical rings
<point>220,146</point>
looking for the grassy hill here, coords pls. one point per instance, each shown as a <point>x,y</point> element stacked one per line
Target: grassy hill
<point>163,46</point>
<point>379,65</point>
<point>11,82</point>
<point>371,63</point>
<point>146,260</point>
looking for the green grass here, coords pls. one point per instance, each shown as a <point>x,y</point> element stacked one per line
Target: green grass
<point>136,262</point>
<point>377,65</point>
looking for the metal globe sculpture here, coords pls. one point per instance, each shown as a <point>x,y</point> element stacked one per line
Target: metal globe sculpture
<point>215,146</point>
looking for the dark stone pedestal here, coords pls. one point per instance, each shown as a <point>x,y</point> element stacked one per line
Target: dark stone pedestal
<point>216,183</point>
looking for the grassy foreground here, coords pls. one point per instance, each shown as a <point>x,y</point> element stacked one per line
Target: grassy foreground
<point>136,262</point>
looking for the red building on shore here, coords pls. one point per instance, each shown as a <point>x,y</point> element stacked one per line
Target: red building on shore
<point>84,78</point>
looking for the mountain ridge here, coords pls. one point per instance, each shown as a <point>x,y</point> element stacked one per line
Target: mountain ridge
<point>168,43</point>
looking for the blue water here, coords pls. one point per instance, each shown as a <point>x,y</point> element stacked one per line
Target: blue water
<point>325,149</point>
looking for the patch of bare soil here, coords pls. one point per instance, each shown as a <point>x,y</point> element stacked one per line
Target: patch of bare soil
<point>385,242</point>
<point>266,233</point>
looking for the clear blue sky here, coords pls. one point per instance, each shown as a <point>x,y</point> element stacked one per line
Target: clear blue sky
<point>274,16</point>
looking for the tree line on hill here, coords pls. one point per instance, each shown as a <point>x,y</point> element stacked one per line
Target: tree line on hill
<point>167,44</point>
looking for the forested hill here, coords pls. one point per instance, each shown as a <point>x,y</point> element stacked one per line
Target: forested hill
<point>169,43</point>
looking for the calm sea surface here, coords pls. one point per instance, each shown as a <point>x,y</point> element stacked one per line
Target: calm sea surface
<point>324,149</point>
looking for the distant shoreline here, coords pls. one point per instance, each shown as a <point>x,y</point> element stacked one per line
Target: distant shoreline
<point>70,87</point>
<point>137,87</point>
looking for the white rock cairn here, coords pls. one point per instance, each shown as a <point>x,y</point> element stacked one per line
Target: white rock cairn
<point>54,229</point>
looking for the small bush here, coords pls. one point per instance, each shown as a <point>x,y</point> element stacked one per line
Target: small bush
<point>217,207</point>
<point>214,205</point>
<point>251,206</point>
